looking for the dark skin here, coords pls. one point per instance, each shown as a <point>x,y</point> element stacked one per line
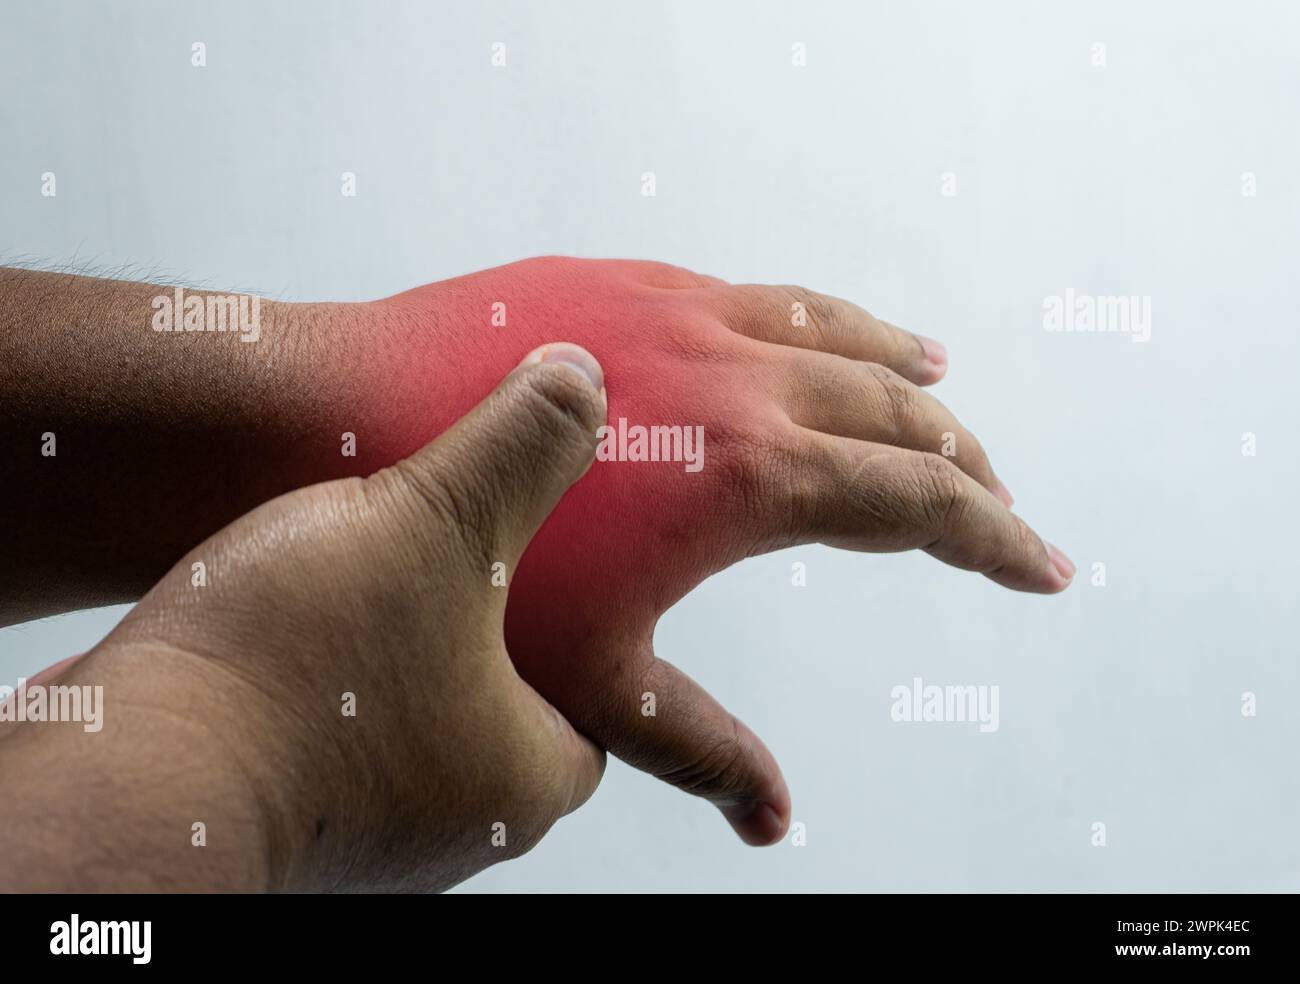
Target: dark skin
<point>164,439</point>
<point>159,445</point>
<point>226,704</point>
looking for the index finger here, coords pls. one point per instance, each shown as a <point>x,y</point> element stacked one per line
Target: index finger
<point>802,318</point>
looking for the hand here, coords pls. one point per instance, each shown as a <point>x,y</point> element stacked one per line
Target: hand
<point>818,432</point>
<point>226,700</point>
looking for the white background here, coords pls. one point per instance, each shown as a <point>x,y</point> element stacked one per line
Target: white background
<point>1119,704</point>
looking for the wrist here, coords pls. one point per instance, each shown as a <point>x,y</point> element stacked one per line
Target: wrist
<point>371,377</point>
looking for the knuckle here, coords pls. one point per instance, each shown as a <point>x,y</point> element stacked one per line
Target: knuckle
<point>715,772</point>
<point>820,307</point>
<point>1027,544</point>
<point>899,399</point>
<point>738,305</point>
<point>704,338</point>
<point>763,480</point>
<point>661,274</point>
<point>1010,551</point>
<point>556,405</point>
<point>821,311</point>
<point>840,495</point>
<point>941,491</point>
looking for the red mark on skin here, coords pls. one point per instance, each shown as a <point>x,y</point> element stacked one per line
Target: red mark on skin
<point>630,538</point>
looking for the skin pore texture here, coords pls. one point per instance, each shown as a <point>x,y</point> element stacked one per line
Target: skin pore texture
<point>816,429</point>
<point>334,710</point>
<point>634,537</point>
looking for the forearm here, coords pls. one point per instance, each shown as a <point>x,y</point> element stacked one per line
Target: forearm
<point>337,710</point>
<point>144,791</point>
<point>126,444</point>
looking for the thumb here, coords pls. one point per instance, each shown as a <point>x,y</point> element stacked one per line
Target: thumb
<point>694,743</point>
<point>499,471</point>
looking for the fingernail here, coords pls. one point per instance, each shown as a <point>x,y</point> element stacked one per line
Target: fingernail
<point>1003,493</point>
<point>759,827</point>
<point>573,356</point>
<point>1062,563</point>
<point>934,352</point>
